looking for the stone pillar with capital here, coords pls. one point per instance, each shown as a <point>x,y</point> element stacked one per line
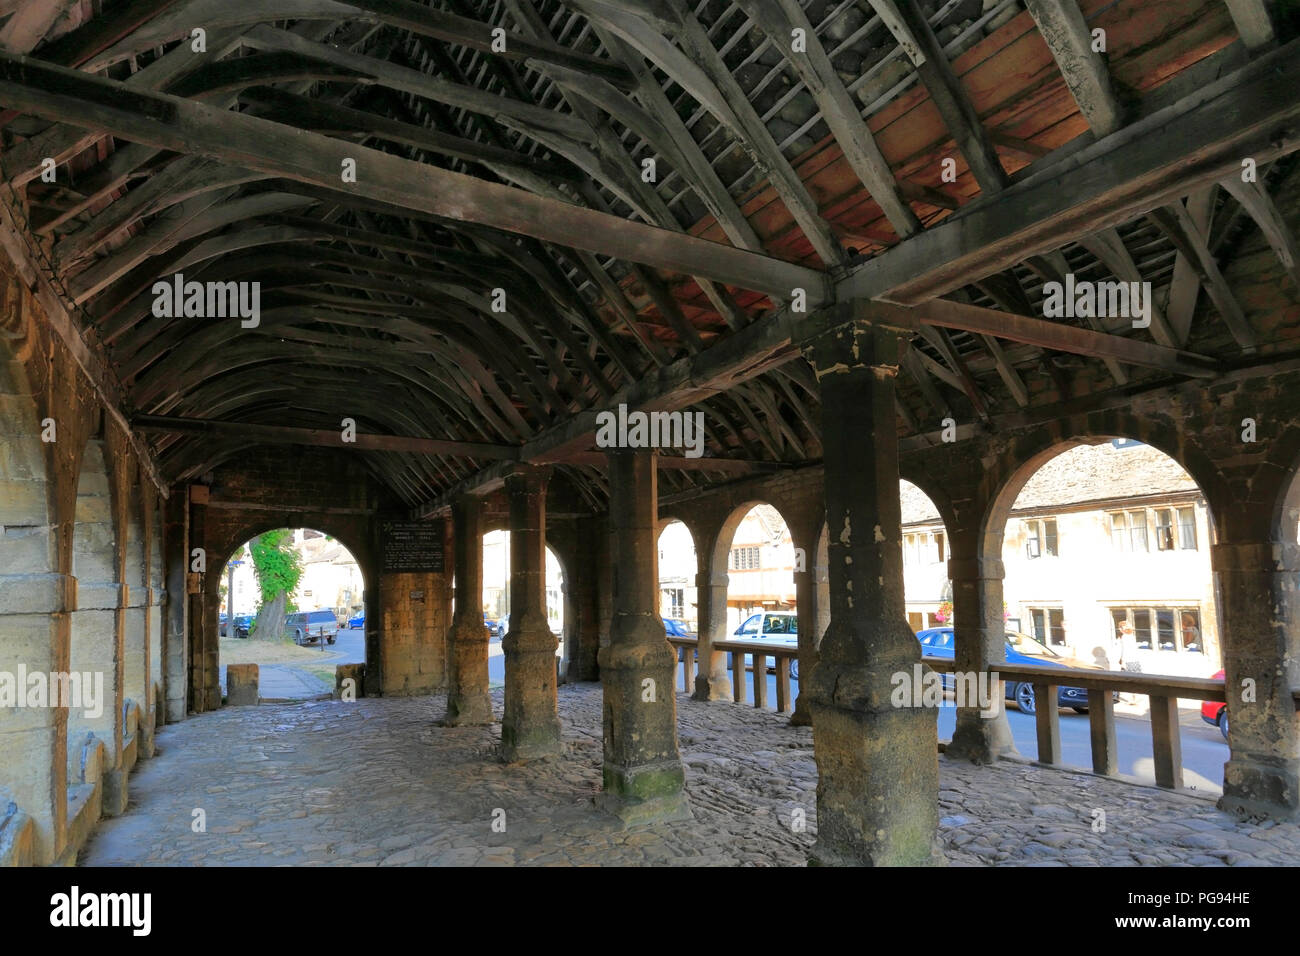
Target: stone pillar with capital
<point>467,665</point>
<point>877,754</point>
<point>644,781</point>
<point>530,727</point>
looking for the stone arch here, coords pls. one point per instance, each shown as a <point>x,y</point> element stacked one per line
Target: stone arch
<point>1025,454</point>
<point>222,551</point>
<point>723,540</point>
<point>1096,639</point>
<point>1284,519</point>
<point>220,544</point>
<point>33,598</point>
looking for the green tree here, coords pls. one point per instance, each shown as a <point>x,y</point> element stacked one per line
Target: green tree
<point>278,568</point>
<point>277,565</point>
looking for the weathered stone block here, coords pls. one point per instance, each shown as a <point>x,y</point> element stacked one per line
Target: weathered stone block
<point>354,673</point>
<point>241,685</point>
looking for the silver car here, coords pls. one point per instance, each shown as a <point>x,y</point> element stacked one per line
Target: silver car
<point>312,627</point>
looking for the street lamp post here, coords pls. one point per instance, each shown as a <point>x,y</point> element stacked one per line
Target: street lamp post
<point>230,594</point>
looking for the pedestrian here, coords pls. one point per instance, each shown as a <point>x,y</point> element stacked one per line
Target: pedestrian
<point>1128,656</point>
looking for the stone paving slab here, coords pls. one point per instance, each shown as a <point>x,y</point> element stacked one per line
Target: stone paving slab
<point>376,782</point>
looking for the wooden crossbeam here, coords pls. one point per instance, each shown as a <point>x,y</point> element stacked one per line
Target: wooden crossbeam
<point>325,437</point>
<point>170,122</point>
<point>450,28</point>
<point>1044,334</point>
<point>1195,140</point>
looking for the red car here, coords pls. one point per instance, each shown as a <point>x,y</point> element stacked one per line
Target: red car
<point>1216,711</point>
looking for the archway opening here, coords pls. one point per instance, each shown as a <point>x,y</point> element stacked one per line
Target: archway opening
<point>1106,551</point>
<point>678,566</point>
<point>760,559</point>
<point>496,599</point>
<point>926,587</point>
<point>291,600</point>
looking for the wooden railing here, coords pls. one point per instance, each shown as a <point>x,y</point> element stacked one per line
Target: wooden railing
<point>746,656</point>
<point>1163,692</point>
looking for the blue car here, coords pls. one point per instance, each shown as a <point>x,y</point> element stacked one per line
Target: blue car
<point>1021,649</point>
<point>676,628</point>
<point>358,621</point>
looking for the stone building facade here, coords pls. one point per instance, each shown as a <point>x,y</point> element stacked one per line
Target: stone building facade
<point>1100,535</point>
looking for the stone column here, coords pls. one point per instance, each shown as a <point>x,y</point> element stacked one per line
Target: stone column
<point>176,635</point>
<point>878,768</point>
<point>711,680</point>
<point>643,777</point>
<point>531,725</point>
<point>980,631</point>
<point>1261,644</point>
<point>467,641</point>
<point>584,601</point>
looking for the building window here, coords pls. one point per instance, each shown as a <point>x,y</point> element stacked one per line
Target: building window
<point>1137,530</point>
<point>1041,538</point>
<point>1187,529</point>
<point>1171,629</point>
<point>923,547</point>
<point>1164,529</point>
<point>675,600</point>
<point>744,559</point>
<point>1049,625</point>
<point>1128,531</point>
<point>1175,529</point>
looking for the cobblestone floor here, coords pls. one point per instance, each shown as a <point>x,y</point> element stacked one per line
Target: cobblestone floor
<point>376,782</point>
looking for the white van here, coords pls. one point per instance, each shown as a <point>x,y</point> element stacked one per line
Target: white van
<point>772,627</point>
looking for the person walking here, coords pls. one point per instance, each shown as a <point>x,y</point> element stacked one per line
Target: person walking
<point>1128,656</point>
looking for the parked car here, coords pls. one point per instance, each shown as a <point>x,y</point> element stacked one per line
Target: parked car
<point>357,620</point>
<point>223,624</point>
<point>243,624</point>
<point>1216,711</point>
<point>771,627</point>
<point>1020,649</point>
<point>676,628</point>
<point>312,627</point>
<point>490,625</point>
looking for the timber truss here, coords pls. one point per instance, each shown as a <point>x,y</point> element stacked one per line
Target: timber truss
<point>477,223</point>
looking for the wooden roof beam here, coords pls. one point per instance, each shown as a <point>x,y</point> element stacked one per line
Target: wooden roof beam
<point>169,122</point>
<point>1067,35</point>
<point>1197,139</point>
